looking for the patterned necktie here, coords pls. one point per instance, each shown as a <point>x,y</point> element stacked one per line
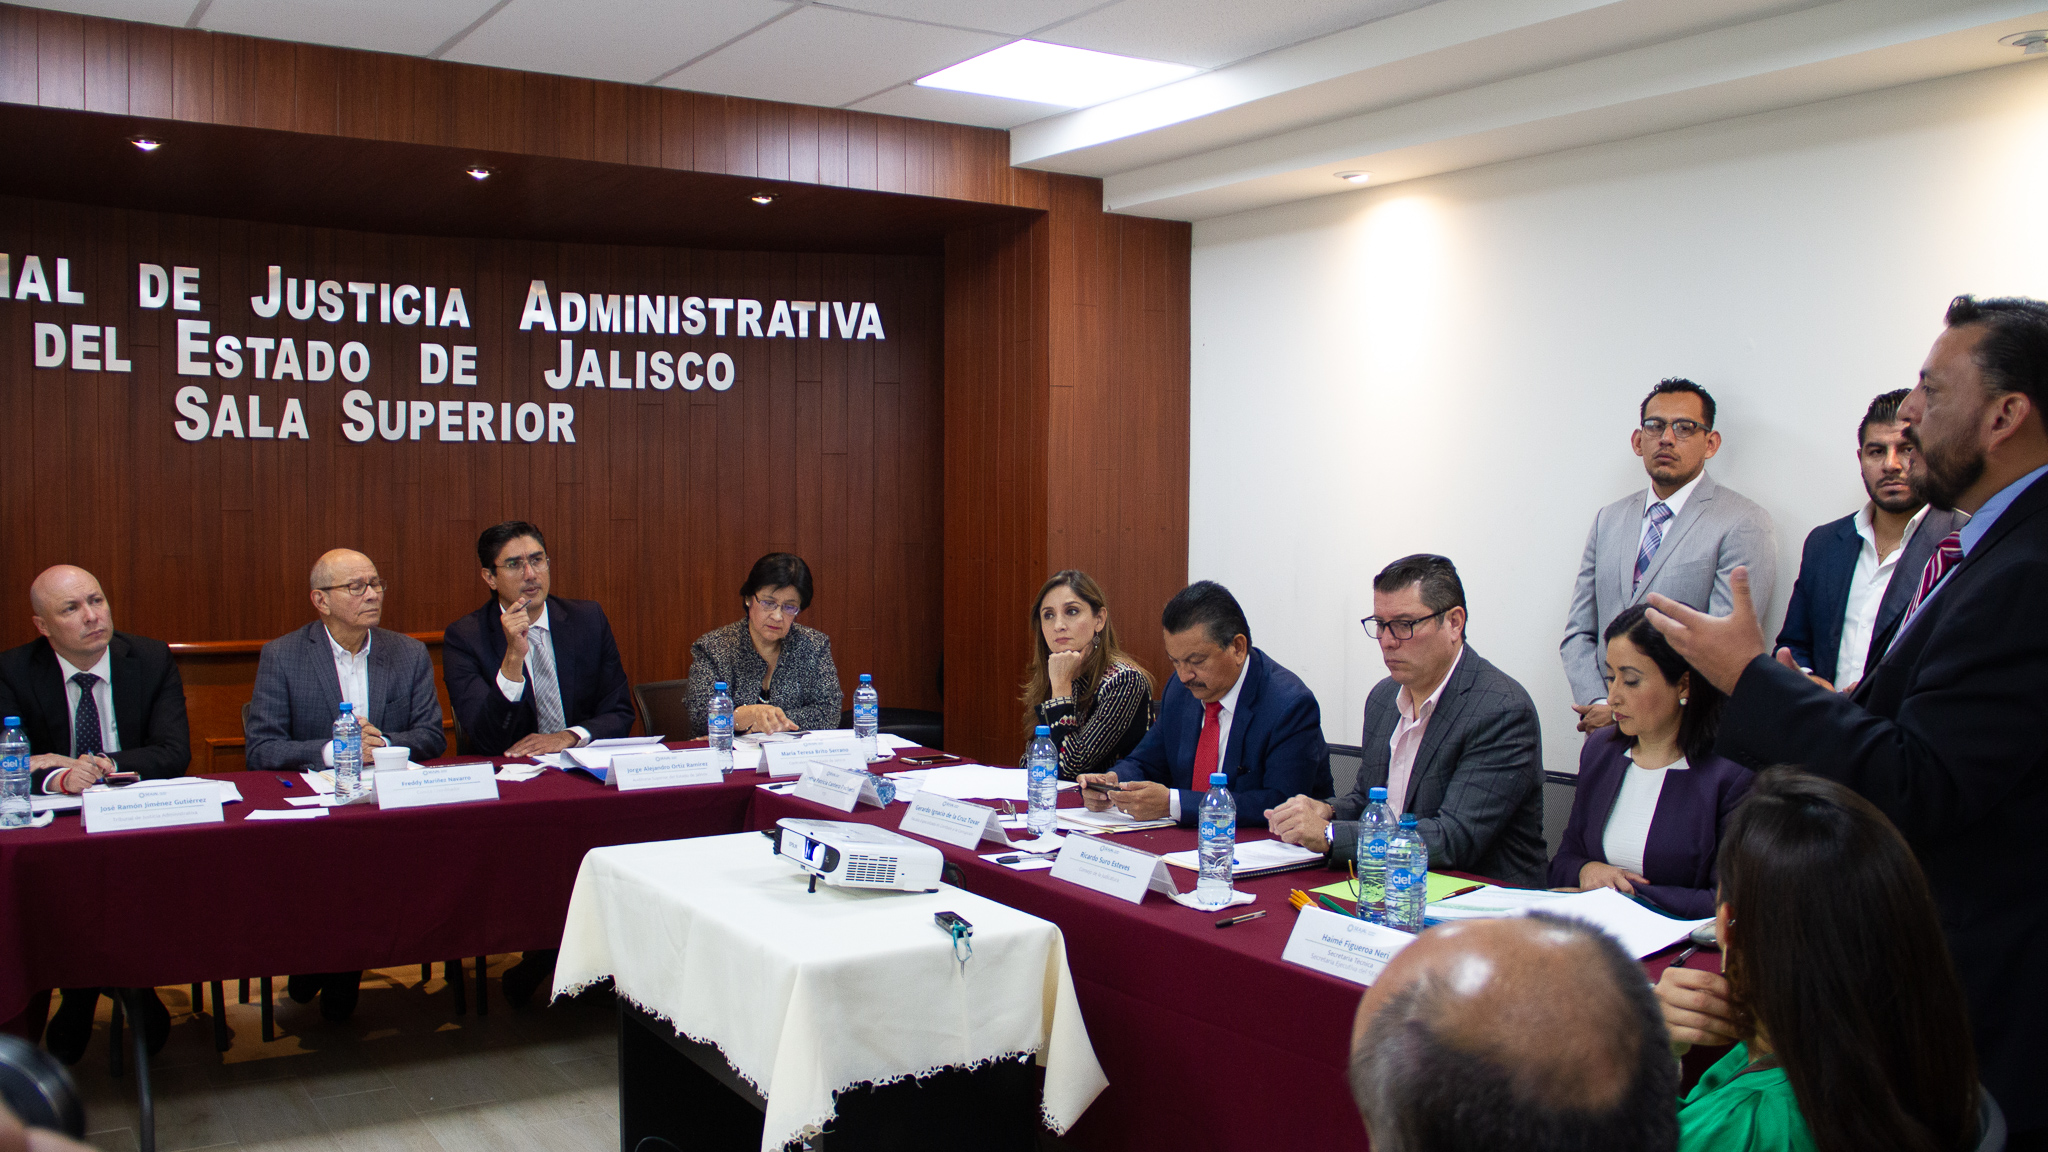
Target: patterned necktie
<point>547,692</point>
<point>1205,748</point>
<point>1946,555</point>
<point>85,731</point>
<point>1659,513</point>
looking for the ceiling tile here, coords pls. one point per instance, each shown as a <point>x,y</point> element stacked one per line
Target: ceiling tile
<point>1010,17</point>
<point>415,27</point>
<point>148,11</point>
<point>628,40</point>
<point>825,56</point>
<point>957,107</point>
<point>1212,33</point>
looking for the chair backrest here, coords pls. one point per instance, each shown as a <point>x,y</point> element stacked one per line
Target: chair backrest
<point>661,708</point>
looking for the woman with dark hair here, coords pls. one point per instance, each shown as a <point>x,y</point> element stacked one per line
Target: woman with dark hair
<point>1837,991</point>
<point>1094,696</point>
<point>780,674</point>
<point>1652,798</point>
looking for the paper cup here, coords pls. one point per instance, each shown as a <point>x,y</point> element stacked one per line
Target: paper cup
<point>391,758</point>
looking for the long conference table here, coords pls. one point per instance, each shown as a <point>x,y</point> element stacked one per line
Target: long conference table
<point>1208,1038</point>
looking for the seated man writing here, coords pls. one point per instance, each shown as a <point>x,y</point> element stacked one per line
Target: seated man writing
<point>1451,738</point>
<point>1230,709</point>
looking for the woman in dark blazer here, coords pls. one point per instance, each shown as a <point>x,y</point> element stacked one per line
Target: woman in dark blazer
<point>1653,798</point>
<point>780,674</point>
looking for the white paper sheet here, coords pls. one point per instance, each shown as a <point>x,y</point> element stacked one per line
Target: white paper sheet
<point>1113,818</point>
<point>970,782</point>
<point>55,803</point>
<point>599,753</point>
<point>1640,931</point>
<point>322,782</point>
<point>519,772</point>
<point>287,814</point>
<point>229,794</point>
<point>324,801</point>
<point>1252,856</point>
<point>1492,900</point>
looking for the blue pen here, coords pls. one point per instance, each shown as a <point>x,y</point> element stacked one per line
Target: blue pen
<point>283,781</point>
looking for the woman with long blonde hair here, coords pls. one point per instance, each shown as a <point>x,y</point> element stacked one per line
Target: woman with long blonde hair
<point>1096,698</point>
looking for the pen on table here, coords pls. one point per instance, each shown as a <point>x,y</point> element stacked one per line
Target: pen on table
<point>282,780</point>
<point>1330,904</point>
<point>1689,953</point>
<point>1239,919</point>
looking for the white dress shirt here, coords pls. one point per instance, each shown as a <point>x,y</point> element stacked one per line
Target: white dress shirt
<point>1866,592</point>
<point>1223,719</point>
<point>538,633</point>
<point>1409,730</point>
<point>353,670</point>
<point>102,695</point>
<point>1627,837</point>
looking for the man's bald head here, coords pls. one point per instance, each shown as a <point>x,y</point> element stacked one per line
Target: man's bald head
<point>72,611</point>
<point>1529,1032</point>
<point>334,564</point>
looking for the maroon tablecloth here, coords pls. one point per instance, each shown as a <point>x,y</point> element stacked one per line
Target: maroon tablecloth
<point>359,888</point>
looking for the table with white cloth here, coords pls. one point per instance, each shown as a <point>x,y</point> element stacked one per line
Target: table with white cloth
<point>810,993</point>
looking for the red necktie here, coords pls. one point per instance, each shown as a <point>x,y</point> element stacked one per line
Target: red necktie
<point>1205,748</point>
<point>1946,554</point>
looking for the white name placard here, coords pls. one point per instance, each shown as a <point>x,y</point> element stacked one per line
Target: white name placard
<point>665,769</point>
<point>837,787</point>
<point>1343,946</point>
<point>950,821</point>
<point>441,784</point>
<point>795,757</point>
<point>122,809</point>
<point>1112,869</point>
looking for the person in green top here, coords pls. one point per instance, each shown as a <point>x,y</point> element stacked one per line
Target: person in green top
<point>1848,1023</point>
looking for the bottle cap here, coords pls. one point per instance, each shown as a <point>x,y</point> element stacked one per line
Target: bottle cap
<point>718,685</point>
<point>1218,780</point>
<point>1377,794</point>
<point>347,707</point>
<point>1044,731</point>
<point>13,721</point>
<point>1407,819</point>
<point>866,679</point>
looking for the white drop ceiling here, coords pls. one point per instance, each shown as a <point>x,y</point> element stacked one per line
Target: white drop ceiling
<point>1292,91</point>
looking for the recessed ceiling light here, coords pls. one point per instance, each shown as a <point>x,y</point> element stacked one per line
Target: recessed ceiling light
<point>1055,74</point>
<point>763,198</point>
<point>479,172</point>
<point>146,143</point>
<point>2029,43</point>
<point>1354,177</point>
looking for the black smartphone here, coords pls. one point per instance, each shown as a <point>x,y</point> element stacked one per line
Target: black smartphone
<point>928,758</point>
<point>117,779</point>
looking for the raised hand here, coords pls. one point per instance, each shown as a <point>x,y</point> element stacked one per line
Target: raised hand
<point>1719,647</point>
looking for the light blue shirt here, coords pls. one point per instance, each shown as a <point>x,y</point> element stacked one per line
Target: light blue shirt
<point>1973,533</point>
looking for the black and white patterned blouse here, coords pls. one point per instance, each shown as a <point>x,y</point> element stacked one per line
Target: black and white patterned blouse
<point>806,685</point>
<point>1115,719</point>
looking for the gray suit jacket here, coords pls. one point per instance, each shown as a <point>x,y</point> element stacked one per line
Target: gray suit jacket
<point>1718,530</point>
<point>298,697</point>
<point>1477,785</point>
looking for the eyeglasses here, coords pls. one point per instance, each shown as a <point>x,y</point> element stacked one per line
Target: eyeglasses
<point>1683,429</point>
<point>538,562</point>
<point>357,587</point>
<point>771,607</point>
<point>1398,629</point>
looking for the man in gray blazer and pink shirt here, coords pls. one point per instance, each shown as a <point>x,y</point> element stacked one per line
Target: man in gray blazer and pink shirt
<point>1680,537</point>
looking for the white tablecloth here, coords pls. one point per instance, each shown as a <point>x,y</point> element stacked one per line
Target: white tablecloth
<point>809,993</point>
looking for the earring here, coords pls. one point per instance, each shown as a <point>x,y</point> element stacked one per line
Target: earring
<point>1681,701</point>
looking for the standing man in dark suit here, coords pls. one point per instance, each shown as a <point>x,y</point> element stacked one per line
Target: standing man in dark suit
<point>301,680</point>
<point>1451,738</point>
<point>1946,734</point>
<point>93,701</point>
<point>1857,573</point>
<point>1229,709</point>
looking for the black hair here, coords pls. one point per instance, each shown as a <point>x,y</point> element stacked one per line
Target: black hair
<point>498,535</point>
<point>1674,384</point>
<point>1422,1094</point>
<point>1210,604</point>
<point>779,570</point>
<point>1883,410</point>
<point>1699,719</point>
<point>1440,588</point>
<point>2014,353</point>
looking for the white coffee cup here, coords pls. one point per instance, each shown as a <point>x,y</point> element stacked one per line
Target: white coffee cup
<point>391,758</point>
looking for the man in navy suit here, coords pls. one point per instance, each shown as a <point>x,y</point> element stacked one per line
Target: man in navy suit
<point>1229,709</point>
<point>1858,572</point>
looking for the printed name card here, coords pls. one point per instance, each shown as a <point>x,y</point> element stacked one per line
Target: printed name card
<point>122,809</point>
<point>839,788</point>
<point>441,784</point>
<point>1112,869</point>
<point>665,769</point>
<point>793,757</point>
<point>1343,946</point>
<point>951,821</point>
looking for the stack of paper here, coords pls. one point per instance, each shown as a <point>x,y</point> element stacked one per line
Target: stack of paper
<point>1254,858</point>
<point>598,753</point>
<point>1112,820</point>
<point>1640,930</point>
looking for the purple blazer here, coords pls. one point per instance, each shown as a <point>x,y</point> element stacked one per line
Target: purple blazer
<point>1685,833</point>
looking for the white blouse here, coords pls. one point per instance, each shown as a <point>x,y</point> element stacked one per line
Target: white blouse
<point>1628,826</point>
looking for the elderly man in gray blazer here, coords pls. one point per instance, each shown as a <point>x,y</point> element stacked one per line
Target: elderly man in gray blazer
<point>1452,738</point>
<point>1682,537</point>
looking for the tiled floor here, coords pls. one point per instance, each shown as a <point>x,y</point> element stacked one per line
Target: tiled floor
<point>405,1074</point>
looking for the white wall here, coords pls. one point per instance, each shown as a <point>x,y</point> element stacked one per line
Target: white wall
<point>1453,364</point>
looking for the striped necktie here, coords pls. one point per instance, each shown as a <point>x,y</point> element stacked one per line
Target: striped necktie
<point>547,691</point>
<point>1946,555</point>
<point>1658,513</point>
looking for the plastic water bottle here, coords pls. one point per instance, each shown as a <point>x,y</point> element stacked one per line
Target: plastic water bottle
<point>1042,785</point>
<point>14,776</point>
<point>1407,876</point>
<point>867,716</point>
<point>1217,837</point>
<point>348,753</point>
<point>718,724</point>
<point>1375,828</point>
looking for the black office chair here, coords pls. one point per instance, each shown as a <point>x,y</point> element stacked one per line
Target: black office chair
<point>662,710</point>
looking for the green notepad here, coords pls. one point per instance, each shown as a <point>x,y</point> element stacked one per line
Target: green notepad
<point>1440,887</point>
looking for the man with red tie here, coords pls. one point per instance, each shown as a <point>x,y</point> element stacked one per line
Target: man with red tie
<point>1229,709</point>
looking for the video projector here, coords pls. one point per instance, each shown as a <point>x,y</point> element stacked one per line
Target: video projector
<point>849,855</point>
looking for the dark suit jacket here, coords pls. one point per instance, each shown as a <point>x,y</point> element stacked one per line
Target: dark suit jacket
<point>1477,786</point>
<point>587,666</point>
<point>1820,597</point>
<point>1685,833</point>
<point>1275,750</point>
<point>149,704</point>
<point>298,696</point>
<point>1947,735</point>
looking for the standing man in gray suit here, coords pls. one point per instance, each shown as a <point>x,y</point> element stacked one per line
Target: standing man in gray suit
<point>1680,537</point>
<point>301,680</point>
<point>1451,738</point>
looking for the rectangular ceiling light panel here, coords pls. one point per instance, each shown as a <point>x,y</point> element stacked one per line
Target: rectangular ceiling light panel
<point>1055,74</point>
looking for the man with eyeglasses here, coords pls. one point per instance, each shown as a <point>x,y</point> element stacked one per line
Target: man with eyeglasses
<point>301,680</point>
<point>1681,537</point>
<point>1451,738</point>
